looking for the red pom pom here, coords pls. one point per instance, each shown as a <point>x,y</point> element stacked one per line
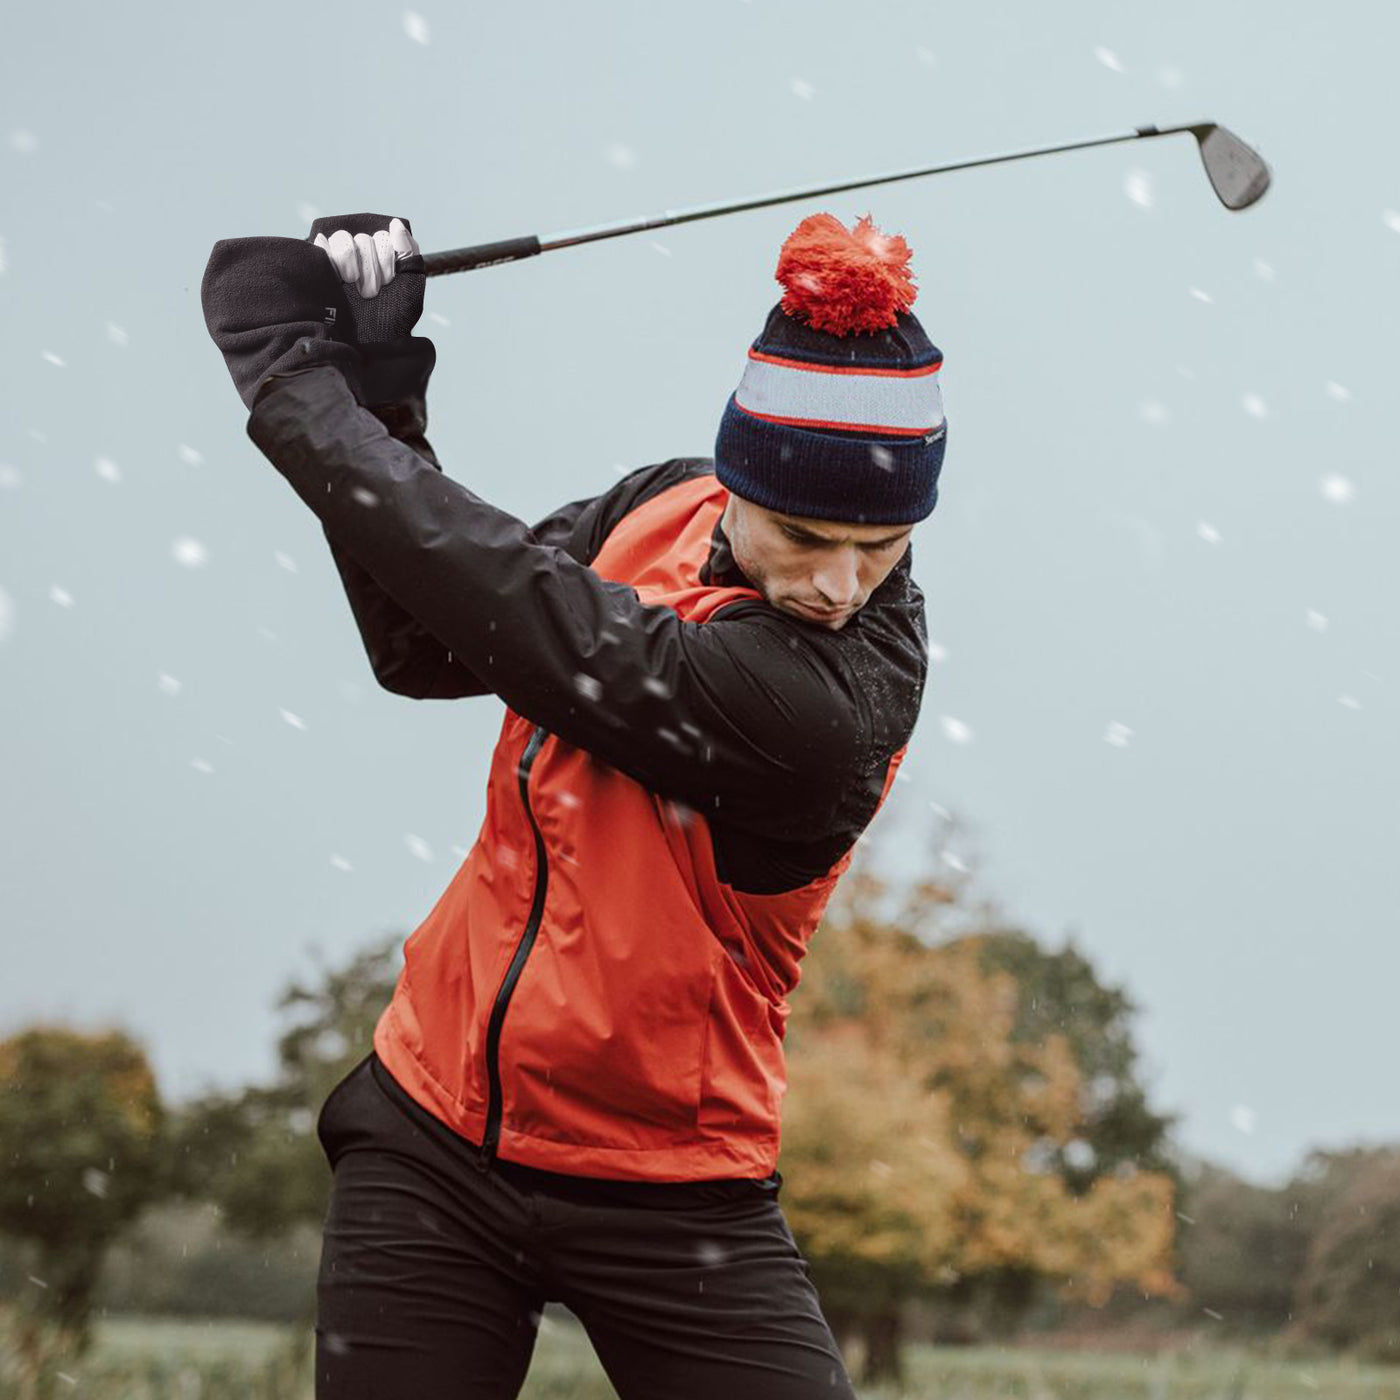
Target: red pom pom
<point>842,280</point>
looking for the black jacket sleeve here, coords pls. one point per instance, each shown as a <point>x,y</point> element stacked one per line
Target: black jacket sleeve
<point>406,658</point>
<point>743,720</point>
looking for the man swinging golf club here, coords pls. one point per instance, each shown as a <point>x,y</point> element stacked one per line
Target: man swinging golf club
<point>711,672</point>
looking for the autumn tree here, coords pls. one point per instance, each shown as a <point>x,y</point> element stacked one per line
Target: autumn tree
<point>81,1128</point>
<point>923,1137</point>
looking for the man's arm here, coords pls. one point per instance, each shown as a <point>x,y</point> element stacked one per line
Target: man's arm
<point>743,719</point>
<point>407,659</point>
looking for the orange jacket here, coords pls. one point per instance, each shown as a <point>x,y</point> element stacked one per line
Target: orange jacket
<point>679,781</point>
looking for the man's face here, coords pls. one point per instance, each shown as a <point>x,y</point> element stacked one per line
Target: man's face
<point>821,570</point>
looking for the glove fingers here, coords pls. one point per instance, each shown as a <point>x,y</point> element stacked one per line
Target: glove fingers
<point>388,259</point>
<point>405,244</point>
<point>341,248</point>
<point>370,281</point>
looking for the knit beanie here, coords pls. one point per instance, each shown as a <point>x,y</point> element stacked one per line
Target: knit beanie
<point>839,414</point>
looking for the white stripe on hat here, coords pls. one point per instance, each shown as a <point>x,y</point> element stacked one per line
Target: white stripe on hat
<point>840,396</point>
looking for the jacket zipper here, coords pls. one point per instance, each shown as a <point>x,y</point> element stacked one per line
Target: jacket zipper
<point>492,1136</point>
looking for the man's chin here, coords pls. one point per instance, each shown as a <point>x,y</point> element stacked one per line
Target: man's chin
<point>835,621</point>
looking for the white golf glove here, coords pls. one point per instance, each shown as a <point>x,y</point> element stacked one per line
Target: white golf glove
<point>368,260</point>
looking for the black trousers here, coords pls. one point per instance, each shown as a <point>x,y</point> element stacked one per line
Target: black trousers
<point>434,1273</point>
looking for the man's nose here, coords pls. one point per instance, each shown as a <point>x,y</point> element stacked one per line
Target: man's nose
<point>837,578</point>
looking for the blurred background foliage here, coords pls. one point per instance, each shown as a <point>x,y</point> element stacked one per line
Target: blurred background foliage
<point>970,1156</point>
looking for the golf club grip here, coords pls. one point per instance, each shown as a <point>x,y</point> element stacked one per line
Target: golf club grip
<point>483,255</point>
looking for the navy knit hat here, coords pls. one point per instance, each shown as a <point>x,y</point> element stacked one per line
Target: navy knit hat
<point>839,414</point>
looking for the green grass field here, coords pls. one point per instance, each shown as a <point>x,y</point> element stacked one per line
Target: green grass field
<point>167,1360</point>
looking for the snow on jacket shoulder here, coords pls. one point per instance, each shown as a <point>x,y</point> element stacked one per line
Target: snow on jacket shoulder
<point>680,778</point>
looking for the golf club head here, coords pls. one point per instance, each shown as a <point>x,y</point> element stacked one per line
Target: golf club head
<point>1237,172</point>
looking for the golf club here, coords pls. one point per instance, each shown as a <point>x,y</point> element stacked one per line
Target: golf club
<point>1237,174</point>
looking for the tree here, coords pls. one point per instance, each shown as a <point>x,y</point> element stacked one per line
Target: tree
<point>255,1153</point>
<point>81,1135</point>
<point>1347,1293</point>
<point>923,1136</point>
<point>1059,993</point>
<point>1242,1249</point>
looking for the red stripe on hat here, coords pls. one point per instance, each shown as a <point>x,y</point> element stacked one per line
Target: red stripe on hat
<point>844,427</point>
<point>846,369</point>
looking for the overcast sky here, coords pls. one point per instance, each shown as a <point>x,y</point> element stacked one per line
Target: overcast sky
<point>1161,578</point>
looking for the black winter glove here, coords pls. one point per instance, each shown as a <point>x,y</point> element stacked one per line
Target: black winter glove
<point>395,365</point>
<point>278,306</point>
<point>393,311</point>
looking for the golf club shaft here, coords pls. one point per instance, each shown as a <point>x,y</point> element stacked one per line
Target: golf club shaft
<point>513,249</point>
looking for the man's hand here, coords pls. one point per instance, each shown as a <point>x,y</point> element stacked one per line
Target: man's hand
<point>371,260</point>
<point>381,274</point>
<point>277,306</point>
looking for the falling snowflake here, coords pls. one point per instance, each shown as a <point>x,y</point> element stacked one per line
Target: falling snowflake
<point>588,687</point>
<point>189,552</point>
<point>801,88</point>
<point>1201,296</point>
<point>295,721</point>
<point>7,615</point>
<point>1333,390</point>
<point>663,250</point>
<point>192,455</point>
<point>10,477</point>
<point>61,596</point>
<point>1255,406</point>
<point>365,496</point>
<point>418,846</point>
<point>1337,488</point>
<point>926,57</point>
<point>23,141</point>
<point>341,863</point>
<point>954,861</point>
<point>1208,532</point>
<point>168,684</point>
<point>1153,412</point>
<point>1137,185</point>
<point>955,730</point>
<point>116,334</point>
<point>1186,372</point>
<point>307,212</point>
<point>107,469</point>
<point>1391,219</point>
<point>1108,58</point>
<point>439,318</point>
<point>415,26</point>
<point>1117,734</point>
<point>882,457</point>
<point>201,765</point>
<point>623,157</point>
<point>286,561</point>
<point>54,359</point>
<point>937,651</point>
<point>1168,76</point>
<point>1242,1118</point>
<point>1316,620</point>
<point>1264,270</point>
<point>1349,701</point>
<point>96,1182</point>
